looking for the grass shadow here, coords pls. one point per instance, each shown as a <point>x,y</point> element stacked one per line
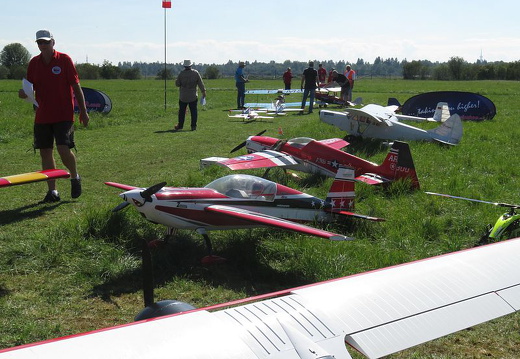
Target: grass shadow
<point>30,211</point>
<point>180,257</point>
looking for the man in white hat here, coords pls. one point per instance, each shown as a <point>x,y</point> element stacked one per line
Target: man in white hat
<point>55,82</point>
<point>187,81</point>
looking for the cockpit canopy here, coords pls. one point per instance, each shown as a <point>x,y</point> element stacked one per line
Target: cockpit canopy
<point>244,186</point>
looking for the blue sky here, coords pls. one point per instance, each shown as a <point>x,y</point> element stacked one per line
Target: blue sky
<point>208,31</point>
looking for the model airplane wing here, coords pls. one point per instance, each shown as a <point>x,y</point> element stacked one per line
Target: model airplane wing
<point>271,221</point>
<point>271,92</point>
<point>33,177</point>
<point>121,186</point>
<point>378,313</point>
<point>383,113</point>
<point>336,143</point>
<point>249,116</point>
<point>263,159</point>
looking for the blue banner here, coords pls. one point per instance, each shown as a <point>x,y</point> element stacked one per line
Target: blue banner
<point>95,101</point>
<point>468,105</point>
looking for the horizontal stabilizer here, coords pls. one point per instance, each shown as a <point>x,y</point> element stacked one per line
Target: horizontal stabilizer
<point>357,215</point>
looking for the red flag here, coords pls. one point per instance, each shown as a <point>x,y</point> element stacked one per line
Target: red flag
<point>166,4</point>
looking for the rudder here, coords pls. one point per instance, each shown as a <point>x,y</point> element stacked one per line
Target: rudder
<point>398,164</point>
<point>342,192</point>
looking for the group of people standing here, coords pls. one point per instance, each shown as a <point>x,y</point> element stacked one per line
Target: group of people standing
<point>56,84</point>
<point>313,79</point>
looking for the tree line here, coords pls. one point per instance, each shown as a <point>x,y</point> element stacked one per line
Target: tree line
<point>14,59</point>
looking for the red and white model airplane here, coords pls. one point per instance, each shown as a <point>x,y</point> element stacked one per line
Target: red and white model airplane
<point>243,201</point>
<point>376,313</point>
<point>323,157</point>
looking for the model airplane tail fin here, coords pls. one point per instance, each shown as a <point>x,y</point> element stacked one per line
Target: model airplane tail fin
<point>398,164</point>
<point>341,193</point>
<point>449,132</point>
<point>442,112</point>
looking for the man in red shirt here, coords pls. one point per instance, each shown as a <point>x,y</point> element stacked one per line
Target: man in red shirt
<point>55,80</point>
<point>322,74</point>
<point>287,78</point>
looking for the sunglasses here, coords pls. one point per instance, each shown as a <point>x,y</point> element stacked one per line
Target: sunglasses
<point>43,42</point>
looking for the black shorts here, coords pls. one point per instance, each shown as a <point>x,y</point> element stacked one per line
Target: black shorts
<point>46,133</point>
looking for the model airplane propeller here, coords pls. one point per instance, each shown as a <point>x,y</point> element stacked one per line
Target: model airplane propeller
<point>323,157</point>
<point>243,144</point>
<point>244,201</point>
<point>507,225</point>
<point>375,121</point>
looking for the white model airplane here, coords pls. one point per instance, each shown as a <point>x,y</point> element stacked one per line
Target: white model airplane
<point>376,313</point>
<point>280,107</point>
<point>375,121</point>
<point>277,107</point>
<point>249,114</point>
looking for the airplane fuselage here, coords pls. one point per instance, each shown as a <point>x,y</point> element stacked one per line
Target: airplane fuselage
<point>314,156</point>
<point>368,128</point>
<point>186,208</point>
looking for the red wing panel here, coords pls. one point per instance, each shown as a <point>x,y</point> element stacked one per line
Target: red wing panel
<point>265,220</point>
<point>33,177</point>
<point>264,159</point>
<point>121,186</point>
<point>336,143</point>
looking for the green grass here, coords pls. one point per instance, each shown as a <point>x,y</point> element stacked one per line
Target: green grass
<point>75,266</point>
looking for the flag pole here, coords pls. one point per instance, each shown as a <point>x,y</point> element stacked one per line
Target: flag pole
<point>165,59</point>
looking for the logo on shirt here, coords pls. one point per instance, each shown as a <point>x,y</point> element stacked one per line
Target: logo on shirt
<point>56,70</point>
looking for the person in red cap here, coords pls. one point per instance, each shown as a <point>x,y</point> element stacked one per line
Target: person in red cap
<point>55,82</point>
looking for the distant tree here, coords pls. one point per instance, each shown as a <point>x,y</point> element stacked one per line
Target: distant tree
<point>164,74</point>
<point>14,54</point>
<point>212,72</point>
<point>441,72</point>
<point>132,73</point>
<point>456,66</point>
<point>17,72</point>
<point>4,72</point>
<point>109,71</point>
<point>88,71</point>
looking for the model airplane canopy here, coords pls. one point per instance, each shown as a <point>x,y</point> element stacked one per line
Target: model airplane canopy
<point>377,313</point>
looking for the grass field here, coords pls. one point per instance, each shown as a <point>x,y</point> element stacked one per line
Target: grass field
<point>75,266</point>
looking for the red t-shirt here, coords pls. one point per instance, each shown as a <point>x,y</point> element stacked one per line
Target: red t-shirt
<point>53,86</point>
<point>322,74</point>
